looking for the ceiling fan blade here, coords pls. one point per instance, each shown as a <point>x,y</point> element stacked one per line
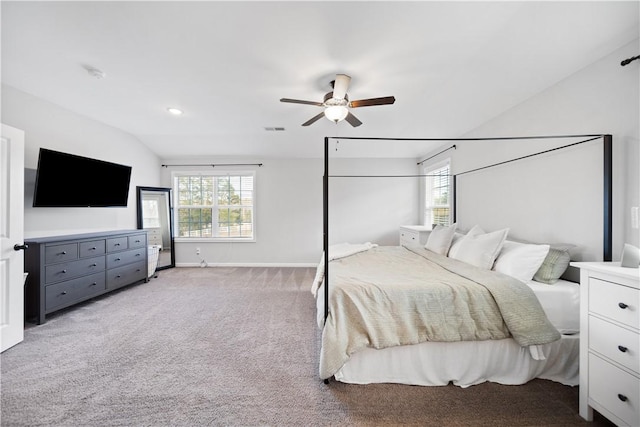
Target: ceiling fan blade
<point>313,119</point>
<point>353,120</point>
<point>340,86</point>
<point>299,101</point>
<point>372,101</point>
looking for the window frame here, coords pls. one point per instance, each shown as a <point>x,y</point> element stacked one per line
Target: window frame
<point>174,185</point>
<point>427,211</point>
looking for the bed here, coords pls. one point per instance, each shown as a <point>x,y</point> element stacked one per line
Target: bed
<point>374,276</point>
<point>515,328</point>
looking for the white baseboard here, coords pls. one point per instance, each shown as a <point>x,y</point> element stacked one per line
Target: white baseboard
<point>248,264</point>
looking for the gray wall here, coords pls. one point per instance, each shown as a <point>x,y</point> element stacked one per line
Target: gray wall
<point>50,126</point>
<point>601,98</point>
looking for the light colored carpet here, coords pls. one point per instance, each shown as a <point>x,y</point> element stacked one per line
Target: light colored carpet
<point>228,346</point>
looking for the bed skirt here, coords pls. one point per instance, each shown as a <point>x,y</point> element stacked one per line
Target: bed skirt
<point>464,363</point>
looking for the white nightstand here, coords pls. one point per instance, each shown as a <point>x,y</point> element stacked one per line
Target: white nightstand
<point>609,342</point>
<point>414,234</point>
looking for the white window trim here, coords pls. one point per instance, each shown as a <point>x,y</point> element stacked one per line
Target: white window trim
<point>426,169</point>
<point>176,174</point>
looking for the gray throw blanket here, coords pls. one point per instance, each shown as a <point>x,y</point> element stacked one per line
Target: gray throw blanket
<point>393,295</point>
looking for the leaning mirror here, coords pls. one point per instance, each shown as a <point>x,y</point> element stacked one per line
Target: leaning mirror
<point>155,216</point>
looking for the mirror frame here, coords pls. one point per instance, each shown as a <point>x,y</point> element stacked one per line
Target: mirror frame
<point>167,191</point>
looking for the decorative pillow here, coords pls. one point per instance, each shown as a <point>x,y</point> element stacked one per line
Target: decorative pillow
<point>440,239</point>
<point>457,239</point>
<point>481,250</point>
<point>554,264</point>
<point>520,260</point>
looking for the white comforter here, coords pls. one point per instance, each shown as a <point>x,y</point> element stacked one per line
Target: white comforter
<point>390,296</point>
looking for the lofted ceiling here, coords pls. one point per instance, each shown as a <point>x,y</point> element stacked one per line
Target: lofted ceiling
<point>450,65</point>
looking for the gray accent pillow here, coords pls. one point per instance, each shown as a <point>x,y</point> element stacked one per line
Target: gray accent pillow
<point>554,265</point>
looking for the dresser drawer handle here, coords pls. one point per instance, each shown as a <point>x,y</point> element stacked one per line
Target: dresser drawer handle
<point>94,284</point>
<point>118,259</point>
<point>622,397</point>
<point>63,253</point>
<point>622,305</point>
<point>63,293</point>
<point>138,254</point>
<point>137,241</point>
<point>622,348</point>
<point>63,271</point>
<point>118,276</point>
<point>94,265</point>
<point>93,248</point>
<point>117,244</point>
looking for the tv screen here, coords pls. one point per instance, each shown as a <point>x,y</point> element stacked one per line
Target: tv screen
<point>67,180</point>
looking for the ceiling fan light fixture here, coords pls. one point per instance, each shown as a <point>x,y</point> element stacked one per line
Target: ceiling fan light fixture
<point>336,113</point>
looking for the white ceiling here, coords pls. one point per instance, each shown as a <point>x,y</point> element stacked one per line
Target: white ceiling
<point>451,65</point>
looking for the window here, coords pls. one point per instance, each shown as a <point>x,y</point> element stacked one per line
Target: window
<point>215,206</point>
<point>151,213</point>
<point>437,190</point>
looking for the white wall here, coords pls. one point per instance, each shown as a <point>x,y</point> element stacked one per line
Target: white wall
<point>601,98</point>
<point>50,126</point>
<point>372,209</point>
<point>289,210</point>
<point>288,215</point>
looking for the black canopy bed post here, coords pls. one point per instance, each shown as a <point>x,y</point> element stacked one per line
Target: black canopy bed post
<point>325,225</point>
<point>607,142</point>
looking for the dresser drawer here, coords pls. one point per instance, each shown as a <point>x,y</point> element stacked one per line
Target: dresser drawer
<point>137,241</point>
<point>615,390</point>
<point>89,249</point>
<point>616,302</point>
<point>123,258</point>
<point>68,270</point>
<point>60,253</point>
<point>616,343</point>
<point>66,293</point>
<point>125,275</point>
<point>117,244</point>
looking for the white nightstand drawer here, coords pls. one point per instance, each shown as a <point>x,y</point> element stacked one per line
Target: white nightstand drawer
<point>414,235</point>
<point>409,236</point>
<point>618,344</point>
<point>616,302</point>
<point>615,390</point>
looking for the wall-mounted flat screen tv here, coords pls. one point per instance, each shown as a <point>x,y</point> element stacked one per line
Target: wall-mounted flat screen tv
<point>67,180</point>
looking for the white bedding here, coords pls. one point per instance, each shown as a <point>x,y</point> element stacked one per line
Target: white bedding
<point>471,362</point>
<point>561,304</point>
<point>464,363</point>
<point>468,363</point>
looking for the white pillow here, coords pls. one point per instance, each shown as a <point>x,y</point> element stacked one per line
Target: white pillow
<point>481,250</point>
<point>520,260</point>
<point>457,239</point>
<point>440,239</point>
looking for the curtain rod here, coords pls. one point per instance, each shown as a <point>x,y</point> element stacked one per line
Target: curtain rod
<point>219,164</point>
<point>437,154</point>
<point>628,60</point>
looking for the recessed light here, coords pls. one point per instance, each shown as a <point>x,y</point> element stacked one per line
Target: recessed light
<point>175,111</point>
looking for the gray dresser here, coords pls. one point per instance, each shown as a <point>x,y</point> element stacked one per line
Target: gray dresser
<point>66,270</point>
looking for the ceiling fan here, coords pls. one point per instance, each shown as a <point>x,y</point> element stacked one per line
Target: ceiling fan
<point>336,103</point>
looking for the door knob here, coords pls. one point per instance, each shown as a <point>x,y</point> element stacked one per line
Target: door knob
<point>21,247</point>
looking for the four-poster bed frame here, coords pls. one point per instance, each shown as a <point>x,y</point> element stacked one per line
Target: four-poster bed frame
<point>607,180</point>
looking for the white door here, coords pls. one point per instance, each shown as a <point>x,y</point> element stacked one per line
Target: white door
<point>11,234</point>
